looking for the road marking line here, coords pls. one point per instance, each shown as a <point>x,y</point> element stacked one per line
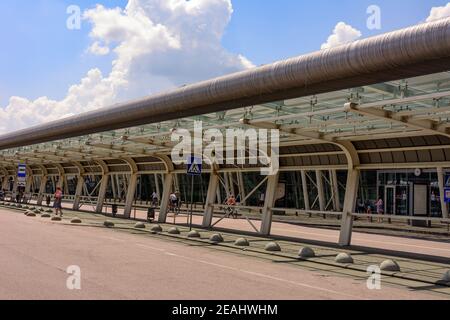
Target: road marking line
<point>265,276</point>
<point>148,247</point>
<point>113,239</point>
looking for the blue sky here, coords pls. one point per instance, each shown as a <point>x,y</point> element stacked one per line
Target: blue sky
<point>40,57</point>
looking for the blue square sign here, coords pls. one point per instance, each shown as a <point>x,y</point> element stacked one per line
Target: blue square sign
<point>194,166</point>
<point>447,195</point>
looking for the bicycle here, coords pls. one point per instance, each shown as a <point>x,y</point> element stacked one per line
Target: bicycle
<point>174,208</point>
<point>231,212</point>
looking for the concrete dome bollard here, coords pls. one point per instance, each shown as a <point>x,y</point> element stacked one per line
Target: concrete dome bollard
<point>242,242</point>
<point>216,238</point>
<point>45,215</point>
<point>174,230</point>
<point>76,220</point>
<point>56,219</point>
<point>156,229</point>
<point>140,225</point>
<point>306,252</point>
<point>36,212</point>
<point>41,209</point>
<point>194,234</point>
<point>272,247</point>
<point>108,224</point>
<point>390,265</point>
<point>344,258</point>
<point>49,211</point>
<point>446,277</point>
<point>31,214</point>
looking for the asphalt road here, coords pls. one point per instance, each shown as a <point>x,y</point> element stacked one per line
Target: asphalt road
<point>35,254</point>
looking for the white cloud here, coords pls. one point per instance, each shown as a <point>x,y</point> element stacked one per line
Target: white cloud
<point>342,34</point>
<point>439,13</point>
<point>92,91</point>
<point>97,49</point>
<point>158,44</point>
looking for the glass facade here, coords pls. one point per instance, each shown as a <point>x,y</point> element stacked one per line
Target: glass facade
<point>396,189</point>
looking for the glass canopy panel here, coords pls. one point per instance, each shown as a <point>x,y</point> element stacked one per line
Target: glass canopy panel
<point>423,100</point>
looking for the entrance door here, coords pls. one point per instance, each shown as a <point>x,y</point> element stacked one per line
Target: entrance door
<point>420,200</point>
<point>420,204</point>
<point>389,203</point>
<point>402,200</point>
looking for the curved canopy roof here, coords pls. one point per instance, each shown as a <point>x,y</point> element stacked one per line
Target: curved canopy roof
<point>415,51</point>
<point>405,121</point>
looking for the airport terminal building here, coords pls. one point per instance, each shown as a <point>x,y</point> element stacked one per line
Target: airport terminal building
<point>364,123</point>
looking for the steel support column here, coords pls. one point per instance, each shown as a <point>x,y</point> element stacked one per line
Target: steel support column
<point>15,185</point>
<point>335,186</point>
<point>266,223</point>
<point>131,192</point>
<point>116,180</point>
<point>227,185</point>
<point>60,182</point>
<point>320,190</point>
<point>351,194</point>
<point>168,183</point>
<point>78,193</point>
<point>5,184</point>
<point>441,178</point>
<point>114,188</point>
<point>29,184</point>
<point>42,187</point>
<point>102,193</point>
<point>305,191</point>
<point>176,183</point>
<point>231,184</point>
<point>158,191</point>
<point>241,187</point>
<point>210,200</point>
<point>219,196</point>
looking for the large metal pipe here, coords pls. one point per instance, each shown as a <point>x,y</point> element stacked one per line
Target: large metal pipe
<point>415,51</point>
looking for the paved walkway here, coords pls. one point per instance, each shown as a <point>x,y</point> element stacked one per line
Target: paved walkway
<point>408,242</point>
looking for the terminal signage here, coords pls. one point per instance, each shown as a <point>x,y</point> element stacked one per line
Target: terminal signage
<point>194,166</point>
<point>447,180</point>
<point>22,175</point>
<point>447,195</point>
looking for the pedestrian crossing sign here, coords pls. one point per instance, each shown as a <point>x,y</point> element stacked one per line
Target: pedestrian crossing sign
<point>194,167</point>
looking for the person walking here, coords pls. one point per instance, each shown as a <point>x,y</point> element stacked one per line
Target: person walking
<point>231,202</point>
<point>155,199</point>
<point>368,207</point>
<point>262,198</point>
<point>173,202</point>
<point>360,206</point>
<point>380,209</point>
<point>57,205</point>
